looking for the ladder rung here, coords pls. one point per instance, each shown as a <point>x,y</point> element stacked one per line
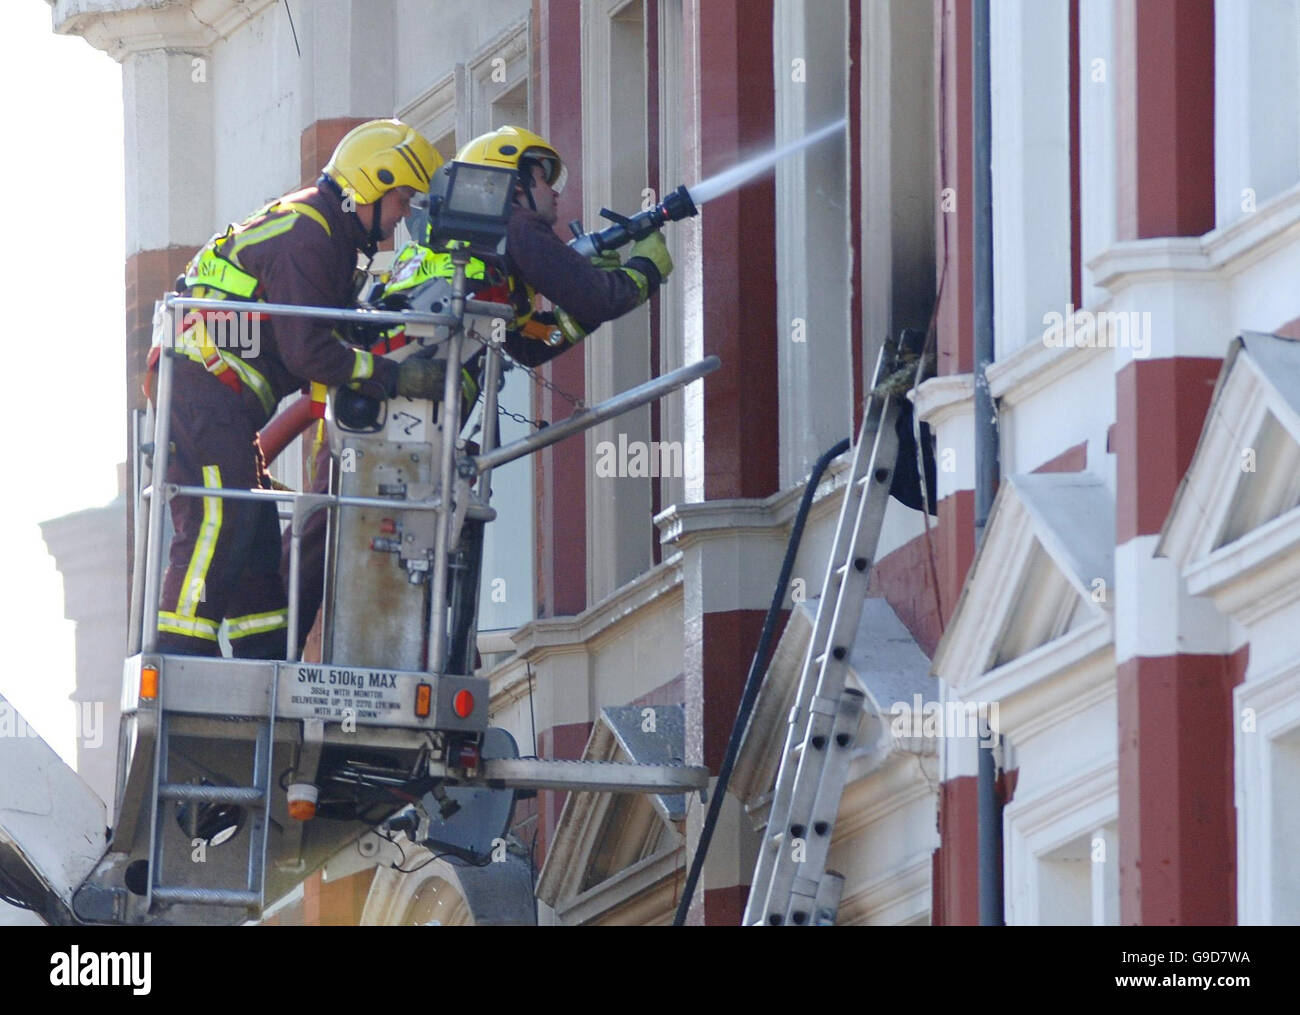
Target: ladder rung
<point>858,564</point>
<point>207,897</point>
<point>249,795</point>
<point>839,654</point>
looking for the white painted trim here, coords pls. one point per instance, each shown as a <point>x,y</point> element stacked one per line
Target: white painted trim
<point>1028,57</point>
<point>1223,252</point>
<point>906,887</point>
<point>1256,104</point>
<point>1015,536</point>
<point>1097,139</point>
<point>136,26</point>
<point>619,543</point>
<point>1051,683</point>
<point>941,400</point>
<point>433,112</point>
<point>1035,827</point>
<point>511,46</point>
<point>1034,367</point>
<point>813,253</point>
<point>1275,699</point>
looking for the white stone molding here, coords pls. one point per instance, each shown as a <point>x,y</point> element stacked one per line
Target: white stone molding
<point>1058,823</point>
<point>122,27</point>
<point>1041,586</point>
<point>1029,42</point>
<point>1097,137</point>
<point>1234,524</point>
<point>1266,711</point>
<point>1257,104</point>
<point>505,56</point>
<point>813,256</point>
<point>947,403</point>
<point>614,153</point>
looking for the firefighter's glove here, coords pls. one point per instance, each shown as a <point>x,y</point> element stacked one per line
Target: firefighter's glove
<point>606,260</point>
<point>422,378</point>
<point>652,248</point>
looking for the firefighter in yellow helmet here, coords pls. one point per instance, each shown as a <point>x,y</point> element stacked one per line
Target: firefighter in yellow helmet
<point>584,293</point>
<point>300,249</point>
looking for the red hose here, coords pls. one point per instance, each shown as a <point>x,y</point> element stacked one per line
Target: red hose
<point>279,433</point>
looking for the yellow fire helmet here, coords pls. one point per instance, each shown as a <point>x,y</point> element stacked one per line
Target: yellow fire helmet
<point>509,146</point>
<point>380,155</point>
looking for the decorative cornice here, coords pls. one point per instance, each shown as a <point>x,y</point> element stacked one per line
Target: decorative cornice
<point>1255,575</point>
<point>1028,816</point>
<point>681,524</point>
<point>1034,366</point>
<point>941,400</point>
<point>1221,252</point>
<point>122,27</point>
<point>539,639</point>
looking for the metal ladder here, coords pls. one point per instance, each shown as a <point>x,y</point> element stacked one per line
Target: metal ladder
<point>256,799</point>
<point>791,884</point>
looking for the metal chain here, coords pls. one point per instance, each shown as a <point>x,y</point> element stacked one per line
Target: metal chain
<point>578,403</point>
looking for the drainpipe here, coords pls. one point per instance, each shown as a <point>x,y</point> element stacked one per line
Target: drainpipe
<point>986,436</point>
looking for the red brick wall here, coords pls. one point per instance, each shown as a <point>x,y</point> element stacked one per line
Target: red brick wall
<point>903,579</point>
<point>1073,459</point>
<point>318,141</point>
<point>560,471</point>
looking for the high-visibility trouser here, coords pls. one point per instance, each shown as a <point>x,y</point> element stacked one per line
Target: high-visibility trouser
<point>224,557</point>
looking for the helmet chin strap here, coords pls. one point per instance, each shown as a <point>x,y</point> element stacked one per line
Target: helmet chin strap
<point>373,234</point>
<point>376,233</point>
<point>526,181</point>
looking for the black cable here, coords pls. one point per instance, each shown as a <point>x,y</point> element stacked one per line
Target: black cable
<point>754,681</point>
<point>532,718</point>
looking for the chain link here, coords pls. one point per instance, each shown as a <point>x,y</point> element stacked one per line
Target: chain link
<point>578,403</point>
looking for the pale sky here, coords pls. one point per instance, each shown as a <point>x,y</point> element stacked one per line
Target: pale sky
<point>64,400</point>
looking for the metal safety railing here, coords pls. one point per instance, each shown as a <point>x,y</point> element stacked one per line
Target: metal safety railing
<point>147,564</point>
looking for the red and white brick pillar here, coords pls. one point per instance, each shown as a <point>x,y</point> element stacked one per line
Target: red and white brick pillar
<point>947,404</point>
<point>731,421</point>
<point>1175,671</point>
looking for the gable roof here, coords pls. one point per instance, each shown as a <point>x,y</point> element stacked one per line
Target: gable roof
<point>601,838</point>
<point>1234,527</point>
<point>1044,575</point>
<point>1245,471</point>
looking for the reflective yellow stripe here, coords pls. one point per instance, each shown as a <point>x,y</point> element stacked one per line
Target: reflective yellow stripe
<point>210,269</point>
<point>193,590</point>
<point>364,365</point>
<point>256,623</point>
<point>642,283</point>
<point>311,213</point>
<point>258,234</point>
<point>569,327</point>
<point>251,379</point>
<point>406,275</point>
<point>193,627</point>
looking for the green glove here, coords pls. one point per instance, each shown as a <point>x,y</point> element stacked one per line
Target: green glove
<point>655,250</point>
<point>422,378</point>
<point>607,260</point>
